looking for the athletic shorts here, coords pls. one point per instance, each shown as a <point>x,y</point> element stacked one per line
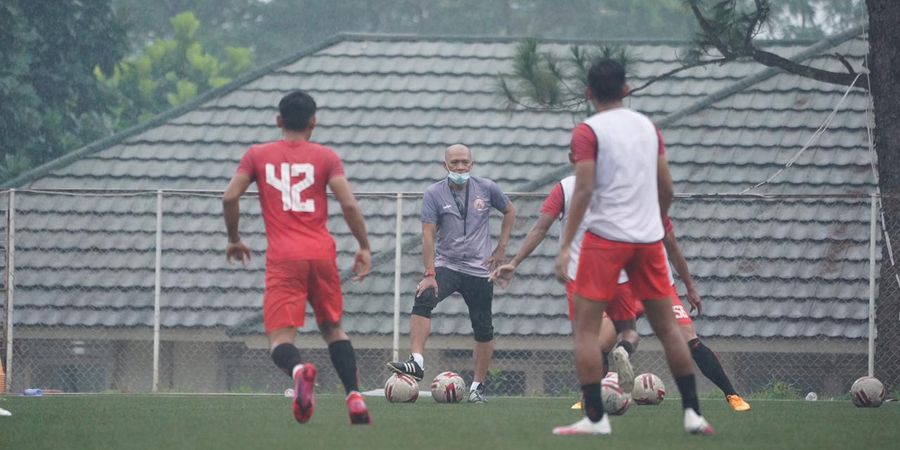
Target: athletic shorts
<point>570,293</point>
<point>289,284</point>
<point>624,305</point>
<point>601,260</point>
<point>681,314</point>
<point>477,292</point>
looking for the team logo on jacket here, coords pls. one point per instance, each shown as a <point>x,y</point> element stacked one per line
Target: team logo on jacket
<point>480,204</point>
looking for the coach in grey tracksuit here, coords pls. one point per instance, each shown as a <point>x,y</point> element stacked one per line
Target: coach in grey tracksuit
<point>456,249</point>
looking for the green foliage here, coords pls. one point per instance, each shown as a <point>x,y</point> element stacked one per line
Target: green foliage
<point>50,102</point>
<point>170,72</point>
<point>777,389</point>
<point>275,29</point>
<point>498,379</point>
<point>545,81</point>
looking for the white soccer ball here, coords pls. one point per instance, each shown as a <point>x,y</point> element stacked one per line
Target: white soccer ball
<point>867,392</point>
<point>648,389</point>
<point>615,400</point>
<point>448,387</point>
<point>401,388</point>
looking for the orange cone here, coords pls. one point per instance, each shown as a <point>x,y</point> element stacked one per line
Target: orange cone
<point>2,380</point>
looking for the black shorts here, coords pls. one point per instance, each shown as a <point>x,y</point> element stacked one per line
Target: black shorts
<point>478,293</point>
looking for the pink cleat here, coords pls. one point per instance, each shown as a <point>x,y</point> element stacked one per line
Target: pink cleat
<point>304,394</point>
<point>359,414</point>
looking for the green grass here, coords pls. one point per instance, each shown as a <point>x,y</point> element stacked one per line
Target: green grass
<point>258,422</point>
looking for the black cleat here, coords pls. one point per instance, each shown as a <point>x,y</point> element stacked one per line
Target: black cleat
<point>409,367</point>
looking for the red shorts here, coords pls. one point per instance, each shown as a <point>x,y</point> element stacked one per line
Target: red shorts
<point>624,305</point>
<point>601,260</point>
<point>570,292</point>
<point>681,314</point>
<point>288,286</point>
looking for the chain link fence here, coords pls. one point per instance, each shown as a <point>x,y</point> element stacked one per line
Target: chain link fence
<point>130,292</point>
<point>887,282</point>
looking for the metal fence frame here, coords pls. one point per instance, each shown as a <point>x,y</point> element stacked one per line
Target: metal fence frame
<point>398,256</point>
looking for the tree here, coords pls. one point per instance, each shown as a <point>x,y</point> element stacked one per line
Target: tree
<point>727,31</point>
<point>50,101</point>
<point>170,72</point>
<point>276,28</point>
<point>884,65</point>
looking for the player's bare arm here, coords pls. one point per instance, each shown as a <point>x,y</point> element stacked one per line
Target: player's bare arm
<point>362,262</point>
<point>503,274</point>
<point>664,185</point>
<point>681,267</point>
<point>498,257</point>
<point>231,206</point>
<point>585,171</point>
<point>428,281</point>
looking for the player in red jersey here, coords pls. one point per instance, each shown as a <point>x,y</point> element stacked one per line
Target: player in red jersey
<point>292,175</point>
<point>621,173</point>
<point>703,356</point>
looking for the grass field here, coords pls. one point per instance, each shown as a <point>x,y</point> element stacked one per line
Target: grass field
<point>264,422</point>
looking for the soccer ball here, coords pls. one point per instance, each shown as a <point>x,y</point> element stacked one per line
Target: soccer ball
<point>867,392</point>
<point>648,389</point>
<point>448,387</point>
<point>401,388</point>
<point>615,400</point>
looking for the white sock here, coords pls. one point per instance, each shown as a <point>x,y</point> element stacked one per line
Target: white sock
<point>419,359</point>
<point>474,386</point>
<point>296,369</point>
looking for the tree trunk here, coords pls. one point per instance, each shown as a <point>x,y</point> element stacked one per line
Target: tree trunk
<point>884,65</point>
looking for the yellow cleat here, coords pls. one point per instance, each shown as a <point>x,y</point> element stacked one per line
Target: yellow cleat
<point>737,403</point>
<point>576,406</point>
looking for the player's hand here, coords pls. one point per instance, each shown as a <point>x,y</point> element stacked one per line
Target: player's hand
<point>362,264</point>
<point>694,299</point>
<point>426,284</point>
<point>237,251</point>
<point>562,266</point>
<point>502,275</point>
<point>497,258</point>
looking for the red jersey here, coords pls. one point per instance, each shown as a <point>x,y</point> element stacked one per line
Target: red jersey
<point>292,177</point>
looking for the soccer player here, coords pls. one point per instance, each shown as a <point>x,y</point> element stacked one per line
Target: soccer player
<point>292,175</point>
<point>703,356</point>
<point>456,251</point>
<point>621,172</point>
<point>555,206</point>
<point>620,316</point>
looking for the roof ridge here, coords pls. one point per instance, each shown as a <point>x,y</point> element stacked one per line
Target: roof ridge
<point>363,36</point>
<point>721,94</point>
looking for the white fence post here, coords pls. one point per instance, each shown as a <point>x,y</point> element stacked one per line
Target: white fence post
<point>873,221</point>
<point>157,290</point>
<point>10,282</point>
<point>398,234</point>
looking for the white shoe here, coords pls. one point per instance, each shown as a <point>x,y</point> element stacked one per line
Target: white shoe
<point>4,413</point>
<point>624,369</point>
<point>696,424</point>
<point>585,426</point>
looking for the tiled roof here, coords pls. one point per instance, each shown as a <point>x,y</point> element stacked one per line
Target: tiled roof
<point>388,106</point>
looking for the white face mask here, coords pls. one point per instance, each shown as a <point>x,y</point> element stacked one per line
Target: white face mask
<point>458,178</point>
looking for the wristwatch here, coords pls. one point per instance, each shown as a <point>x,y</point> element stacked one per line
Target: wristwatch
<point>429,272</point>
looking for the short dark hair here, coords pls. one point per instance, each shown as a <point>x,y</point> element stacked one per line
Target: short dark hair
<point>606,79</point>
<point>296,109</point>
